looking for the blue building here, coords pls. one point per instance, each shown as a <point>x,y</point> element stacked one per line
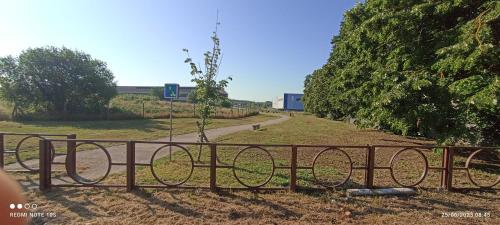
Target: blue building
<point>289,102</point>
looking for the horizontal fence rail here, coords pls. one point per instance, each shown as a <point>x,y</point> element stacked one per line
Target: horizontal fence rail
<point>359,160</point>
<point>21,139</point>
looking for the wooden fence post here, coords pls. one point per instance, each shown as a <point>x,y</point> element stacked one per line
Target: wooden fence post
<point>370,164</point>
<point>130,165</point>
<point>213,167</point>
<point>293,170</point>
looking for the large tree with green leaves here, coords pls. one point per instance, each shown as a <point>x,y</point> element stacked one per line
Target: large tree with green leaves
<point>415,67</point>
<point>57,80</point>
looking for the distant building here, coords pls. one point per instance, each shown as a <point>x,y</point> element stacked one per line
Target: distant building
<point>183,91</point>
<point>278,103</point>
<point>289,101</point>
<point>135,89</point>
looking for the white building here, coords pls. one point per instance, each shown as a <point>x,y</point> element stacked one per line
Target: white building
<point>278,103</point>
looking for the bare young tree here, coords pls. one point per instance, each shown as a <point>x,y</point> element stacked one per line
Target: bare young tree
<point>208,91</point>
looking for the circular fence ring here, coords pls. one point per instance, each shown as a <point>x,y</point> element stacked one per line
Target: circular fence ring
<point>422,177</point>
<point>333,149</point>
<point>467,163</point>
<point>18,147</point>
<point>158,178</point>
<point>75,176</point>
<point>265,181</point>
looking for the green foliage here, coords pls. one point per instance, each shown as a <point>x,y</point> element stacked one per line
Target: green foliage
<point>192,97</point>
<point>157,92</point>
<point>416,68</point>
<point>208,90</point>
<point>316,88</point>
<point>56,80</point>
<point>226,103</point>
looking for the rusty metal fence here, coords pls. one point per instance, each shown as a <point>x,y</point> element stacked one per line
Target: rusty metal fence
<point>368,167</point>
<point>24,138</point>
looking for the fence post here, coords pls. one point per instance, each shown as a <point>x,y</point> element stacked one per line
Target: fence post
<point>447,176</point>
<point>71,155</point>
<point>293,170</point>
<point>213,167</point>
<point>143,115</point>
<point>370,164</point>
<point>444,165</point>
<point>130,165</point>
<point>45,170</point>
<point>2,150</point>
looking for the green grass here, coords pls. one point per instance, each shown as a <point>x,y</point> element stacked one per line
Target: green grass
<point>253,167</point>
<point>149,129</point>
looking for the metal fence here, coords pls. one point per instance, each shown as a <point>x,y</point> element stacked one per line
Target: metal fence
<point>367,166</point>
<point>24,138</point>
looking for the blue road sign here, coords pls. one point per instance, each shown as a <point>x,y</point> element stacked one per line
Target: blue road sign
<point>171,91</point>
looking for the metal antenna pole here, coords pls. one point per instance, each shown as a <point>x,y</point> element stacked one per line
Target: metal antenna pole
<point>170,147</point>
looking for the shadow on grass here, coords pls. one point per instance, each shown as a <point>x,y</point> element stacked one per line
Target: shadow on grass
<point>419,202</point>
<point>81,207</point>
<point>244,201</point>
<point>175,207</point>
<point>146,125</point>
<point>409,142</point>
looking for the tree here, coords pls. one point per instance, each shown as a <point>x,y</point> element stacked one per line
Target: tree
<point>316,88</point>
<point>56,80</point>
<point>226,103</point>
<point>416,68</point>
<point>192,97</point>
<point>208,94</point>
<point>157,92</point>
<point>12,87</point>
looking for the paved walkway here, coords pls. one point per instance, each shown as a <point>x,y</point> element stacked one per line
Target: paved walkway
<point>88,168</point>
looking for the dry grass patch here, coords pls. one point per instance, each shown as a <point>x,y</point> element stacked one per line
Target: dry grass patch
<point>163,206</point>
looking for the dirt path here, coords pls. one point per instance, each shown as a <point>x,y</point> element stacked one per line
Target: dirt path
<point>88,168</point>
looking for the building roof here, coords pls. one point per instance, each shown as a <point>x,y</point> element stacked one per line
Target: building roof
<point>147,89</point>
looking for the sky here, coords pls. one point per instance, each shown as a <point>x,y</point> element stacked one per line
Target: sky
<point>268,46</point>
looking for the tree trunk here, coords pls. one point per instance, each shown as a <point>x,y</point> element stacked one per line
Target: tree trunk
<point>14,113</point>
<point>65,111</point>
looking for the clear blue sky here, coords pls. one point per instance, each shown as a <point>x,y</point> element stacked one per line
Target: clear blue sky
<point>268,45</point>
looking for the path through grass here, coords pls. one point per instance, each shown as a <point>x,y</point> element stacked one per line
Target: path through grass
<point>150,129</point>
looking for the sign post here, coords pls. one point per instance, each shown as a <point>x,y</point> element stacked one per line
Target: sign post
<point>171,91</point>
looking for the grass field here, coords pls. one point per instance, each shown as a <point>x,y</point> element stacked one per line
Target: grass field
<point>161,206</point>
<point>132,106</point>
<point>254,165</point>
<point>149,129</point>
